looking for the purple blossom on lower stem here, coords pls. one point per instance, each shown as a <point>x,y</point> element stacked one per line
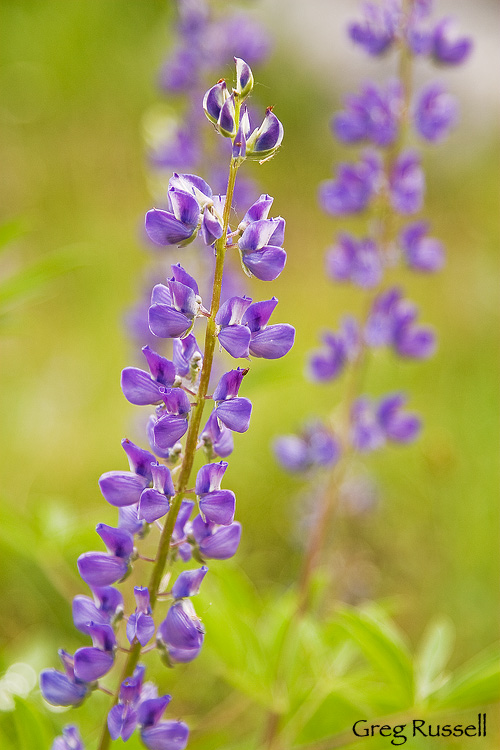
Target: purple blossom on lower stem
<point>230,409</point>
<point>217,438</point>
<point>104,609</point>
<point>378,28</point>
<point>422,253</point>
<point>260,248</point>
<point>354,260</point>
<point>104,569</point>
<point>354,186</point>
<point>140,387</point>
<point>70,740</point>
<point>435,113</point>
<point>314,447</point>
<point>216,505</point>
<point>181,633</point>
<point>175,306</point>
<point>122,718</point>
<point>93,662</point>
<point>244,330</point>
<point>171,422</point>
<point>160,735</point>
<point>216,542</point>
<point>154,502</point>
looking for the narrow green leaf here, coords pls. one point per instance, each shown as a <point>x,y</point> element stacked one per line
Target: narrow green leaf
<point>433,655</point>
<point>476,683</point>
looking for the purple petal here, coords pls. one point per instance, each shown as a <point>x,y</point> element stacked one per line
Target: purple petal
<point>110,600</point>
<point>176,400</point>
<point>226,121</point>
<point>416,342</point>
<point>188,583</point>
<point>167,735</point>
<point>209,477</point>
<point>139,388</point>
<point>222,544</point>
<point>167,322</point>
<point>257,235</point>
<point>232,310</point>
<point>92,663</point>
<point>269,135</point>
<point>182,518</point>
<point>229,384</point>
<point>153,505</point>
<point>122,720</point>
<point>99,569</point>
<point>235,413</point>
<point>185,207</point>
<point>257,316</point>
<point>128,520</point>
<point>59,690</point>
<point>292,453</point>
<point>163,228</point>
<point>211,228</point>
<point>169,429</point>
<point>151,710</point>
<point>140,626</point>
<point>162,479</point>
<point>235,340</point>
<point>218,506</point>
<point>122,487</point>
<point>266,264</point>
<point>84,612</point>
<point>162,370</point>
<point>273,342</point>
<point>214,99</point>
<point>140,460</point>
<point>259,210</point>
<point>160,294</point>
<point>217,436</point>
<point>118,541</point>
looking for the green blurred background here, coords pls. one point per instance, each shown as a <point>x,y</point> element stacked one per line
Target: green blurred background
<point>76,80</point>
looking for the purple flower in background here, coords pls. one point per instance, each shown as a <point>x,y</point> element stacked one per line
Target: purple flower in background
<point>140,624</point>
<point>314,447</point>
<point>435,113</point>
<point>355,260</point>
<point>422,253</point>
<point>377,31</point>
<point>373,115</point>
<point>392,322</point>
<point>448,47</point>
<point>70,740</point>
<point>327,363</point>
<point>366,432</point>
<point>398,426</point>
<point>354,186</point>
<point>407,183</point>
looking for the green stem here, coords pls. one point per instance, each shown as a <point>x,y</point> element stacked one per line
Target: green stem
<point>191,439</point>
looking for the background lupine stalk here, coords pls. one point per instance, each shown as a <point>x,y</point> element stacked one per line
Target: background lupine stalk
<point>390,180</point>
<point>149,492</point>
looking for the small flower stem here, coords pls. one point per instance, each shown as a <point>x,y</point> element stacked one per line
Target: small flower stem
<point>191,441</point>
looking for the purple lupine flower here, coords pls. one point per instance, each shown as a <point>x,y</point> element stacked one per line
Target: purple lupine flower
<point>447,47</point>
<point>354,186</point>
<point>175,306</point>
<point>216,542</point>
<point>377,31</point>
<point>180,71</point>
<point>180,225</point>
<point>392,323</point>
<point>106,606</point>
<point>398,426</point>
<point>140,387</point>
<point>63,688</point>
<point>171,423</point>
<point>233,336</point>
<point>316,446</point>
<point>93,662</point>
<point>140,624</point>
<point>230,409</point>
<point>260,248</point>
<point>237,33</point>
<point>435,113</point>
<point>155,501</point>
<point>373,115</point>
<point>121,488</point>
<point>366,432</point>
<point>188,583</point>
<point>160,735</point>
<point>327,363</point>
<point>422,253</point>
<point>122,719</point>
<point>216,437</point>
<point>181,632</point>
<point>407,183</point>
<point>216,505</point>
<point>103,569</point>
<point>267,341</point>
<point>258,210</point>
<point>70,740</point>
<point>358,261</point>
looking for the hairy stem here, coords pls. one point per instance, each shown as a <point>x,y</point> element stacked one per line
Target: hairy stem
<point>191,440</point>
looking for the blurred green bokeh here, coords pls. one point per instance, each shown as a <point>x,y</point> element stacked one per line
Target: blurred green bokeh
<point>76,80</point>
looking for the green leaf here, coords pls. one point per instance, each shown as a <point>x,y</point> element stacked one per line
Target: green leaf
<point>432,657</point>
<point>384,648</point>
<point>476,683</point>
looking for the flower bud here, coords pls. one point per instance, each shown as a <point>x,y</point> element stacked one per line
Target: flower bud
<point>265,141</point>
<point>244,78</point>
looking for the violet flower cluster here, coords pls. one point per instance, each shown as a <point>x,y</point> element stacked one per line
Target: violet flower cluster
<point>196,524</point>
<point>388,180</point>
